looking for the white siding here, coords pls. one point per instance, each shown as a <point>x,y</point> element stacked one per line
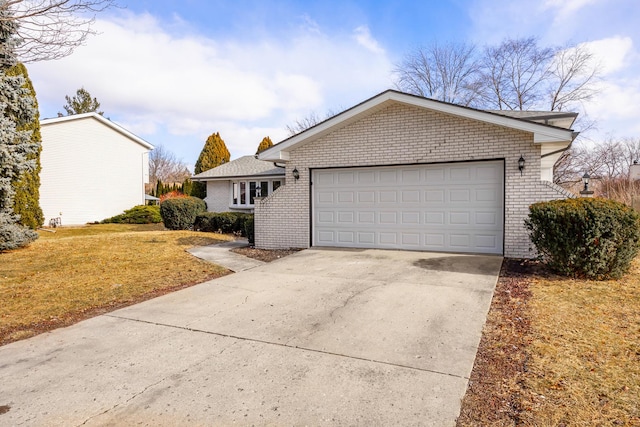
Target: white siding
<point>218,196</point>
<point>89,171</point>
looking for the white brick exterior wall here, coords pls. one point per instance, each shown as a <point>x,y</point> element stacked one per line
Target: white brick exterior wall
<point>401,134</point>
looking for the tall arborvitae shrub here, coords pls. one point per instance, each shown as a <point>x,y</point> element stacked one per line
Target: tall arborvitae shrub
<point>187,186</point>
<point>264,144</point>
<point>26,202</point>
<point>16,113</point>
<point>585,237</point>
<point>213,154</point>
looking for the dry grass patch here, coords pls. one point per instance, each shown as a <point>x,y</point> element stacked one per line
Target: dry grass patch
<point>585,364</point>
<point>78,272</point>
<point>557,352</point>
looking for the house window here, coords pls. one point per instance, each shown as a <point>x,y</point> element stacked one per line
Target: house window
<point>256,187</point>
<point>244,192</point>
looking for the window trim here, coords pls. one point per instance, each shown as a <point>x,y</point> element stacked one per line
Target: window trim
<point>235,185</point>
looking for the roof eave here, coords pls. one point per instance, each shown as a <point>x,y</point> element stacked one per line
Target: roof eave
<point>116,127</point>
<point>232,177</point>
<point>542,133</point>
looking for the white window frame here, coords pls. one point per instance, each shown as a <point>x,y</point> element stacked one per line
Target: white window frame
<point>235,190</point>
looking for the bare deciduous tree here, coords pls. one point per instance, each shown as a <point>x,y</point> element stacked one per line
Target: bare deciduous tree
<point>574,74</point>
<point>514,73</point>
<point>51,29</point>
<point>517,74</point>
<point>310,120</point>
<point>445,72</point>
<point>166,167</point>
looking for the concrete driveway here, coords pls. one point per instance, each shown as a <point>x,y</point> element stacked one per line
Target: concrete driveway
<point>321,337</point>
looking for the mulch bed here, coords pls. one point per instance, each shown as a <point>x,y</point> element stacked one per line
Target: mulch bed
<point>266,255</point>
<point>495,392</point>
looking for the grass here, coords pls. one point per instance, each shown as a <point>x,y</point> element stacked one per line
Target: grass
<point>585,352</point>
<point>79,272</point>
<point>557,352</point>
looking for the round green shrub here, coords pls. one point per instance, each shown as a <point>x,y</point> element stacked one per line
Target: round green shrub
<point>585,237</point>
<point>180,213</point>
<point>141,214</point>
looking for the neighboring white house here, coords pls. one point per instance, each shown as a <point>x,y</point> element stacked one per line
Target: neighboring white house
<point>92,169</point>
<point>233,186</point>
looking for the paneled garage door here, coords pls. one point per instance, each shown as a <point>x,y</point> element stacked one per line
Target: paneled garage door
<point>455,207</point>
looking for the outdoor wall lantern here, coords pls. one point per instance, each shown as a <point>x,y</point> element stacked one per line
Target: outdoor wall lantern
<point>296,174</point>
<point>521,164</point>
<point>585,179</point>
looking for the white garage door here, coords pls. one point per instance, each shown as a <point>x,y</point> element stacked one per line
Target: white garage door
<point>454,207</point>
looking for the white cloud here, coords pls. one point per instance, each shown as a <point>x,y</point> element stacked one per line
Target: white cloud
<point>612,53</point>
<point>162,85</point>
<point>364,38</point>
<point>566,8</point>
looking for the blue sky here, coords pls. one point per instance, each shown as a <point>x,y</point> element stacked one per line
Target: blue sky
<point>173,72</point>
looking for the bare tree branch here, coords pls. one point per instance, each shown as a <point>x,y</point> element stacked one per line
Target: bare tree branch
<point>444,72</point>
<point>514,74</point>
<point>310,120</point>
<point>574,76</point>
<point>51,29</point>
<point>166,167</point>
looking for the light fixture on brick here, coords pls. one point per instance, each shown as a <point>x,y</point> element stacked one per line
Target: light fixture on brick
<point>296,174</point>
<point>521,164</point>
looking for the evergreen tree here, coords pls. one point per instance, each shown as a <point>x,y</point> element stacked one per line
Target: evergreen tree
<point>81,103</point>
<point>159,189</point>
<point>27,187</point>
<point>187,186</point>
<point>16,113</point>
<point>213,154</point>
<point>264,144</point>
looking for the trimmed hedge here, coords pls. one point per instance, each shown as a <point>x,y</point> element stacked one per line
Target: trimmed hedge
<point>222,222</point>
<point>585,237</point>
<point>180,213</point>
<point>142,214</point>
<point>249,231</point>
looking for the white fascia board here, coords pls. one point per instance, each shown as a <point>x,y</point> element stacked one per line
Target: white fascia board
<point>102,120</point>
<point>237,177</point>
<point>541,133</point>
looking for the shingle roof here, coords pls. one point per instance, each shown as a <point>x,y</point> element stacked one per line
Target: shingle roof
<point>561,119</point>
<point>245,166</point>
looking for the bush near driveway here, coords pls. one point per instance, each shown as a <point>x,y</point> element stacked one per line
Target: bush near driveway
<point>585,237</point>
<point>180,213</point>
<point>250,231</point>
<point>222,222</point>
<point>142,214</point>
